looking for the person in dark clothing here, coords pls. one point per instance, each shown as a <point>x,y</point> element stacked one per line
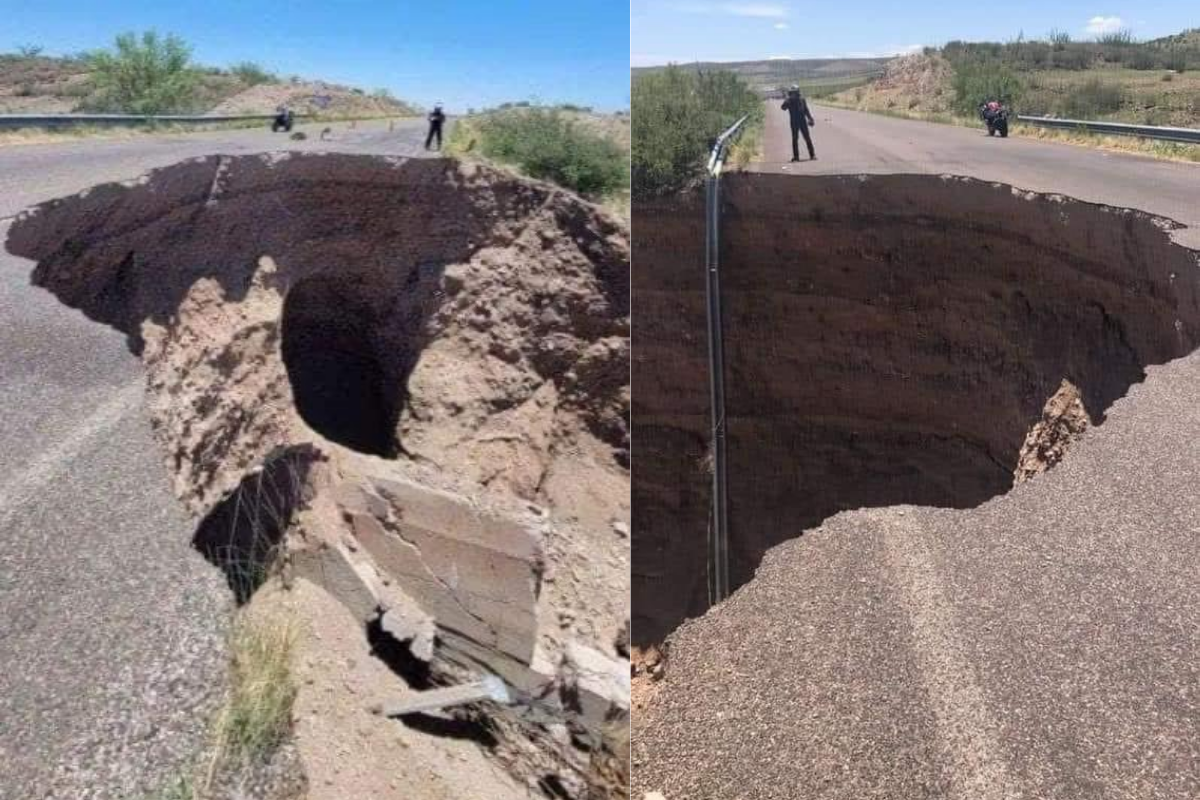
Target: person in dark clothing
<point>436,118</point>
<point>801,117</point>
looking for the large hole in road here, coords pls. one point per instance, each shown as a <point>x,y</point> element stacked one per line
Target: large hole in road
<point>888,340</point>
<point>339,381</point>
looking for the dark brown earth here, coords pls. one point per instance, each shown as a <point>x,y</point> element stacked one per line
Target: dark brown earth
<point>890,339</point>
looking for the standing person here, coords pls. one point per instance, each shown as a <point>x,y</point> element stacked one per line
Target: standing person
<point>801,117</point>
<point>436,118</point>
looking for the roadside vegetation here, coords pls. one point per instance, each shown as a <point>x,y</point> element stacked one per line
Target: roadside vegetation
<point>677,115</point>
<point>255,717</point>
<point>568,147</point>
<point>1113,78</point>
<point>152,73</point>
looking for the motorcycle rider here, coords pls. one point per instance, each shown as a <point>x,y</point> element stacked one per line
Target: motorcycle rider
<point>436,118</point>
<point>801,119</point>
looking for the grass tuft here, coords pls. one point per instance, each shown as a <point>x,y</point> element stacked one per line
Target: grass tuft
<point>257,715</point>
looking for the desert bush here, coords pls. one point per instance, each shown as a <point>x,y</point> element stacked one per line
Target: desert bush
<point>30,50</point>
<point>1093,98</point>
<point>1176,59</point>
<point>1119,38</point>
<point>544,143</point>
<point>145,74</point>
<point>252,74</point>
<point>977,83</point>
<point>677,114</point>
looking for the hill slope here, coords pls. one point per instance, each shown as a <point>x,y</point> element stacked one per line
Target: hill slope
<point>48,85</point>
<point>816,75</point>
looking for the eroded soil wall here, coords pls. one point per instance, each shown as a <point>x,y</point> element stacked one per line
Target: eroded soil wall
<point>888,340</point>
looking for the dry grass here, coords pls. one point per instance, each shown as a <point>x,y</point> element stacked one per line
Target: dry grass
<point>1170,151</point>
<point>1153,148</point>
<point>749,146</point>
<point>257,714</point>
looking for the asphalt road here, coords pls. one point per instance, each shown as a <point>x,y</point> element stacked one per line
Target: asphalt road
<point>111,626</point>
<point>851,142</point>
<point>1044,645</point>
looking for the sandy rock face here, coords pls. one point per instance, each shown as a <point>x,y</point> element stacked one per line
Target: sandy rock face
<point>412,373</point>
<point>1064,419</point>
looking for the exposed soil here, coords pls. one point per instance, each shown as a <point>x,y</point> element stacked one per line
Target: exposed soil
<point>311,97</point>
<point>411,376</point>
<point>890,340</point>
<point>1064,420</point>
<point>914,83</point>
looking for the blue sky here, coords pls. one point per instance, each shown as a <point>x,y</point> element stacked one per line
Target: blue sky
<point>662,31</point>
<point>462,52</point>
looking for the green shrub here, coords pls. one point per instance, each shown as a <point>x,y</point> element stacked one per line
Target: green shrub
<point>977,83</point>
<point>546,144</point>
<point>1092,99</point>
<point>144,75</point>
<point>677,114</point>
<point>252,74</point>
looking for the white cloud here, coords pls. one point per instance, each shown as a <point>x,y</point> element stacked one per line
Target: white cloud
<point>781,26</point>
<point>762,10</point>
<point>1102,25</point>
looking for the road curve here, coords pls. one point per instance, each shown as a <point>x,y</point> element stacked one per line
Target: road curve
<point>849,142</point>
<point>111,626</point>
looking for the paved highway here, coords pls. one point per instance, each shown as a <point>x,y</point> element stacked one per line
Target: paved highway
<point>1045,644</point>
<point>111,626</point>
<point>850,142</point>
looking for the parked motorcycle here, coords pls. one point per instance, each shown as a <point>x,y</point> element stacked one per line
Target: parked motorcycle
<point>283,121</point>
<point>995,116</point>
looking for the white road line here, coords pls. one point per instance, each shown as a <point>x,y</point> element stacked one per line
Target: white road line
<point>966,731</point>
<point>27,485</point>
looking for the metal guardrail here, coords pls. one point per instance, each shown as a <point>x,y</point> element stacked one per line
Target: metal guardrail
<point>11,121</point>
<point>718,561</point>
<point>1189,135</point>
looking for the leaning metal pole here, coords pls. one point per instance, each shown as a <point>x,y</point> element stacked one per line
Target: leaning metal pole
<point>718,546</point>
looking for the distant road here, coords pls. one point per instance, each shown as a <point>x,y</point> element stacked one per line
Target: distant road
<point>852,141</point>
<point>111,626</point>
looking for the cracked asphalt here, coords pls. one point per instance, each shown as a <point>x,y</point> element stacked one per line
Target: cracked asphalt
<point>111,626</point>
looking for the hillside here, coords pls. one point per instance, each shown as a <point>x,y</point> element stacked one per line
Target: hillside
<point>1117,79</point>
<point>818,76</point>
<point>50,85</point>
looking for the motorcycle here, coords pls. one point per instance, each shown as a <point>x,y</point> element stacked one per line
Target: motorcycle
<point>282,122</point>
<point>996,119</point>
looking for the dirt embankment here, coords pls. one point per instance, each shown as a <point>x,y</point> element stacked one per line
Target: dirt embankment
<point>411,378</point>
<point>918,83</point>
<point>890,340</point>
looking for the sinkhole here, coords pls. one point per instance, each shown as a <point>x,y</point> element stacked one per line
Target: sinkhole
<point>889,339</point>
<point>339,377</point>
